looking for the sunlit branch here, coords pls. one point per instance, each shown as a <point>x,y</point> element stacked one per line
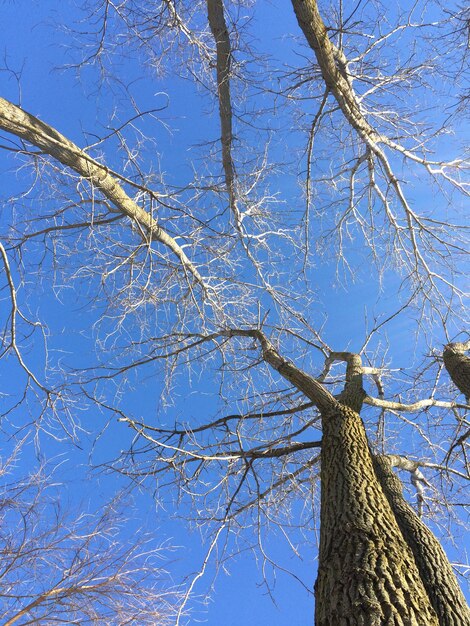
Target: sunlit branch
<point>57,594</point>
<point>261,452</point>
<point>22,124</point>
<point>200,573</point>
<point>406,464</point>
<point>419,405</point>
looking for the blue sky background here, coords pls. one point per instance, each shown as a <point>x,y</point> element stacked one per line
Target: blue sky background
<point>32,44</point>
<point>34,47</point>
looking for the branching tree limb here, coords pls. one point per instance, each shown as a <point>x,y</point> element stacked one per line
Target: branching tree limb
<point>20,123</point>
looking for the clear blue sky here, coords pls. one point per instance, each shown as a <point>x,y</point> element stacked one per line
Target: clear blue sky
<point>78,106</point>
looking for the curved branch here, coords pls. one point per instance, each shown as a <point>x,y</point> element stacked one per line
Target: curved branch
<point>305,383</point>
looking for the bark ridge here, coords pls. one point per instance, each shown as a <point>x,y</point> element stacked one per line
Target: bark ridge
<point>434,568</point>
<point>367,574</point>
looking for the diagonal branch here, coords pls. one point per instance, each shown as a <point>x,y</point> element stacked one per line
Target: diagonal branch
<point>298,378</point>
<point>24,125</point>
<point>58,592</point>
<point>333,65</point>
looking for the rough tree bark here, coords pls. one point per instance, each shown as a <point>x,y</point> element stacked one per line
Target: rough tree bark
<point>367,575</point>
<point>378,563</point>
<point>435,570</point>
<point>457,363</point>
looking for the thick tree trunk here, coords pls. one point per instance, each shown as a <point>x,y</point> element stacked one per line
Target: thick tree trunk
<point>458,365</point>
<point>367,575</point>
<point>369,572</point>
<point>435,570</point>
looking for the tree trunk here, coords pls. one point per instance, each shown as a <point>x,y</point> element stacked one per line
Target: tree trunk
<point>370,573</point>
<point>367,575</point>
<point>435,570</point>
<point>458,365</point>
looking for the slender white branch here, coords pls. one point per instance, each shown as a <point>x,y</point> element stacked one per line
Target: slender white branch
<point>419,405</point>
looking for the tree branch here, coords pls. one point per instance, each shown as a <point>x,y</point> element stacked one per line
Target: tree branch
<point>457,364</point>
<point>414,406</point>
<point>24,125</point>
<point>302,381</point>
<point>218,26</point>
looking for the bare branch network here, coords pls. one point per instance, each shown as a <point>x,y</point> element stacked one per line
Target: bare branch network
<point>234,277</point>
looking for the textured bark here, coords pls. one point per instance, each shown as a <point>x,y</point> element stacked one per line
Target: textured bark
<point>367,572</point>
<point>434,568</point>
<point>353,393</point>
<point>367,575</point>
<point>457,363</point>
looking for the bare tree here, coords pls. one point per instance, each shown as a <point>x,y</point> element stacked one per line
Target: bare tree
<point>56,567</point>
<point>217,270</point>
